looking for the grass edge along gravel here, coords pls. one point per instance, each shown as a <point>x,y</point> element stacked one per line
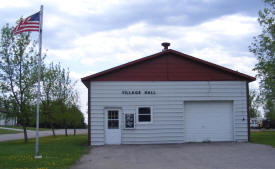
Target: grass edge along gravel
<point>7,131</point>
<point>263,137</point>
<point>57,152</point>
<point>28,128</point>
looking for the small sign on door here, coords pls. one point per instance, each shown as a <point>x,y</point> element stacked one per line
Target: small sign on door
<point>129,120</point>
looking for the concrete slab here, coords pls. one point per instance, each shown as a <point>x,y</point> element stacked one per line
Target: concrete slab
<point>180,156</point>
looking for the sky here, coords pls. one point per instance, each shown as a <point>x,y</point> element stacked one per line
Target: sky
<point>89,36</point>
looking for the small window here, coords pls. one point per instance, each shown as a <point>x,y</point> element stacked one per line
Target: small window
<point>144,115</point>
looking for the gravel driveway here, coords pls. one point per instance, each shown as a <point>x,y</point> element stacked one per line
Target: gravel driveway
<point>180,156</point>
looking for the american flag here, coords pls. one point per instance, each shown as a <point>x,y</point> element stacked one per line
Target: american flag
<point>31,23</point>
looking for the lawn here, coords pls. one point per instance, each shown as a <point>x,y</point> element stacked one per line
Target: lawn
<point>5,131</point>
<point>28,128</point>
<point>263,137</point>
<point>58,153</point>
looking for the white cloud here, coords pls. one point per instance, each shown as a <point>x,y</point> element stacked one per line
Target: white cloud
<point>141,39</point>
<point>231,25</point>
<point>52,21</point>
<point>78,75</point>
<point>15,3</point>
<point>84,7</point>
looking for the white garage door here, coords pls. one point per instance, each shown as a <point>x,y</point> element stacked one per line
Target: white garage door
<point>208,121</point>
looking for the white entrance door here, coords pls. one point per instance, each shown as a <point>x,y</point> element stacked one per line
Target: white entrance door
<point>112,127</point>
<point>208,121</point>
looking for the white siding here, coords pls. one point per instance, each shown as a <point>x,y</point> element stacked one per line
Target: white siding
<point>168,107</point>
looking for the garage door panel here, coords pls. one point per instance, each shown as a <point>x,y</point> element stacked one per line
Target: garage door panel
<point>210,136</point>
<point>208,121</point>
<point>213,106</point>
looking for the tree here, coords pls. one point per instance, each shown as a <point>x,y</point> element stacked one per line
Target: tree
<point>254,103</point>
<point>263,48</point>
<point>18,73</point>
<point>59,98</point>
<point>66,95</point>
<point>75,117</point>
<point>59,110</point>
<point>270,110</point>
<point>49,81</point>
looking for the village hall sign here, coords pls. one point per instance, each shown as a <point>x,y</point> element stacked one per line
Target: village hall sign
<point>138,92</point>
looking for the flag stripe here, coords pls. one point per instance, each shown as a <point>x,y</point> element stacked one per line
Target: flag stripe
<point>30,23</point>
<point>29,29</point>
<point>26,26</point>
<point>33,30</point>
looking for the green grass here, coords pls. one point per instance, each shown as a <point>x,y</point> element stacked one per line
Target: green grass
<point>28,128</point>
<point>58,153</point>
<point>263,137</point>
<point>5,131</point>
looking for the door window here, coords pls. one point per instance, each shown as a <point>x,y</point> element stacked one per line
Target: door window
<point>113,119</point>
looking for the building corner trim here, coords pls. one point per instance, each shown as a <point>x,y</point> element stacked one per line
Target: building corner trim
<point>89,114</point>
<point>248,111</point>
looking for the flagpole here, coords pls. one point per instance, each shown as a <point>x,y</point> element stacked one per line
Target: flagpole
<point>38,85</point>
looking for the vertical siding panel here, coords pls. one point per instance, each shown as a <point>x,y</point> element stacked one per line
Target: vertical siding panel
<point>96,123</point>
<point>240,114</point>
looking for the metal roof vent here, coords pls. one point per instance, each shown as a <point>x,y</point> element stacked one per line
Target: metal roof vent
<point>165,45</point>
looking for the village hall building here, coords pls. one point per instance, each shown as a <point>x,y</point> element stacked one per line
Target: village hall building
<point>167,97</point>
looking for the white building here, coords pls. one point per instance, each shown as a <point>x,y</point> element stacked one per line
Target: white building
<point>4,121</point>
<point>168,97</point>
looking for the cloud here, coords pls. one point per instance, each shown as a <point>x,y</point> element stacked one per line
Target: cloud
<point>232,25</point>
<point>141,39</point>
<point>69,20</point>
<point>15,3</point>
<point>84,7</point>
<point>77,75</point>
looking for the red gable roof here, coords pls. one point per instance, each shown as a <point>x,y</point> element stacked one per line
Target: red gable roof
<point>168,65</point>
